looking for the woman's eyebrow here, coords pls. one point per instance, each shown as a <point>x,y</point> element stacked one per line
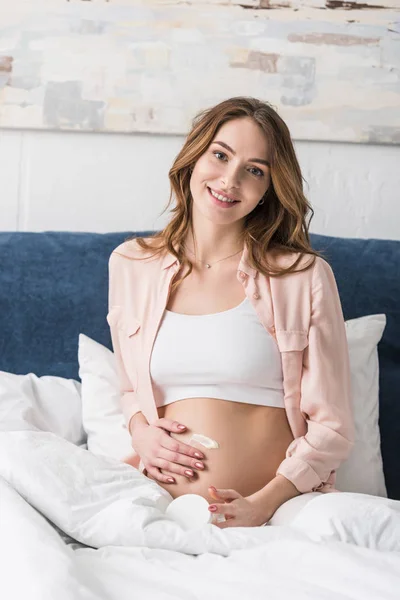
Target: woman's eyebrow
<point>257,160</point>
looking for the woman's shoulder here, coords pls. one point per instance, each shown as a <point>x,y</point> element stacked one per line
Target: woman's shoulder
<point>311,271</point>
<point>284,260</point>
<point>130,249</point>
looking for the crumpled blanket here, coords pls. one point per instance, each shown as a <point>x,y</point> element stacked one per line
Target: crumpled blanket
<point>76,526</point>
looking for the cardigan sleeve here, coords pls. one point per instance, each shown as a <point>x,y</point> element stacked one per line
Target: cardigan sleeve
<point>128,401</point>
<point>325,391</point>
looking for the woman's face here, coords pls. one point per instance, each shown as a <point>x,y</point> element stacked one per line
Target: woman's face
<point>235,164</point>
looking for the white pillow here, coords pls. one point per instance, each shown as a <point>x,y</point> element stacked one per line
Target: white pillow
<point>362,472</point>
<point>102,417</point>
<point>46,403</point>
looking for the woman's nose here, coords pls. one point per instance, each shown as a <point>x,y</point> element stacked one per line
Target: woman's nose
<point>232,179</point>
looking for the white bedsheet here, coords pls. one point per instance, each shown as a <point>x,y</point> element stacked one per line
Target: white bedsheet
<point>78,526</point>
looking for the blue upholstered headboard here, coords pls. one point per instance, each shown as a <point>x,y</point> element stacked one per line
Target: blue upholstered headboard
<point>53,286</point>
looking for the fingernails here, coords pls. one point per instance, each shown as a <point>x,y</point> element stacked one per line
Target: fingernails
<point>198,455</point>
<point>199,465</point>
<point>171,480</point>
<point>181,427</point>
<point>189,473</point>
<point>212,507</point>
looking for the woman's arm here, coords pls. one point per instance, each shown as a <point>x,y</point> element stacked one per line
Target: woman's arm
<point>137,419</point>
<point>325,400</point>
<point>278,491</point>
<point>129,403</point>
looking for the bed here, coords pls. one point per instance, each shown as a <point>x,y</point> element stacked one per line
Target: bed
<point>77,523</point>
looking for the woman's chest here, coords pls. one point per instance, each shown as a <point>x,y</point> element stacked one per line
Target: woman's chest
<point>204,293</point>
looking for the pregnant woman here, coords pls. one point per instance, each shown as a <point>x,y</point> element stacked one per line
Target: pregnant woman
<point>228,330</point>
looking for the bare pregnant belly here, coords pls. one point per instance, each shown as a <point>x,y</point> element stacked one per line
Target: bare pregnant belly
<point>252,443</point>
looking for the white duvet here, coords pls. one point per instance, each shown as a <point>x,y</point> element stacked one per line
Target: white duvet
<point>78,526</point>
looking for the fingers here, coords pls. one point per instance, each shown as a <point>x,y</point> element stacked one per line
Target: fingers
<point>168,454</point>
<point>228,510</point>
<point>174,465</point>
<point>170,425</point>
<point>214,495</point>
<point>226,495</point>
<point>180,460</point>
<point>155,473</point>
<point>173,445</point>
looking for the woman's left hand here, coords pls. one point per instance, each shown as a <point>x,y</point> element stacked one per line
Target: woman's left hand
<point>239,511</point>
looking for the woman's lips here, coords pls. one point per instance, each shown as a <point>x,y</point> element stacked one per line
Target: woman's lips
<point>220,203</point>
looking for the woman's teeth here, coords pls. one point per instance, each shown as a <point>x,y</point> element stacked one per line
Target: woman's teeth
<point>221,198</point>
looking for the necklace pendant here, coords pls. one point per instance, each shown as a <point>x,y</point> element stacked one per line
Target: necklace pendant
<point>208,266</point>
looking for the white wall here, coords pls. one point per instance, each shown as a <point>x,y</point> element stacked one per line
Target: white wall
<point>75,181</point>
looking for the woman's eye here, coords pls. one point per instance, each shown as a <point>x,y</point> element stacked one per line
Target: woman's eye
<point>258,173</point>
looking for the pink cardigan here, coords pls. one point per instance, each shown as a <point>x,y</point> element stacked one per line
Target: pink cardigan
<point>303,314</point>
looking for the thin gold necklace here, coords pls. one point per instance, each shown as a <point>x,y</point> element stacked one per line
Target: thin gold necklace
<point>208,265</point>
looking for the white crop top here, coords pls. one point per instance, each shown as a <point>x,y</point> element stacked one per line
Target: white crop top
<point>227,355</point>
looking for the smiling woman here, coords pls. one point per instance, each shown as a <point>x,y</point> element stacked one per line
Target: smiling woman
<point>205,294</point>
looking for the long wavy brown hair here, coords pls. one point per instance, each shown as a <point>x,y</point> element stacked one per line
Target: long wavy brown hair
<point>278,225</point>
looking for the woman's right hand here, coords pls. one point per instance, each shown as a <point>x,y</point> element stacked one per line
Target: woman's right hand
<point>158,450</point>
